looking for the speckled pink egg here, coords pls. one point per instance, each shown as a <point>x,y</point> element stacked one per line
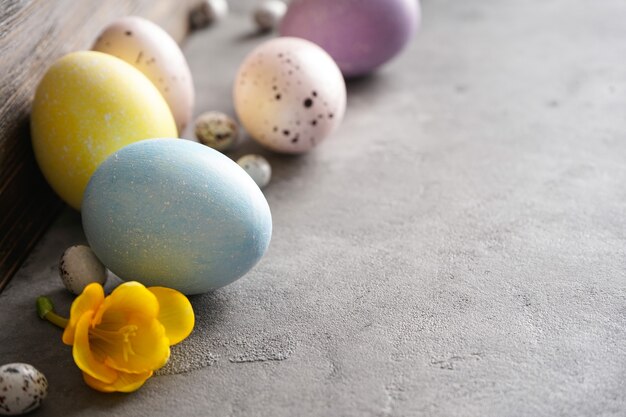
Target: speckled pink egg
<point>289,95</point>
<point>361,35</point>
<point>152,51</point>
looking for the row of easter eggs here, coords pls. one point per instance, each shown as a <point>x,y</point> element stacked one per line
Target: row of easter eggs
<point>163,211</point>
<point>167,211</point>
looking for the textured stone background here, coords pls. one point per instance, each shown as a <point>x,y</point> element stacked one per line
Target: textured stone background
<point>456,249</point>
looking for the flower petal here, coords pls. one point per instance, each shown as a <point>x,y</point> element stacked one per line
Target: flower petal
<point>83,356</point>
<point>140,347</point>
<point>175,313</point>
<point>124,383</point>
<point>128,300</point>
<point>90,299</point>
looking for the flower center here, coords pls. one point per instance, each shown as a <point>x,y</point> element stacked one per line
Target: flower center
<point>116,338</point>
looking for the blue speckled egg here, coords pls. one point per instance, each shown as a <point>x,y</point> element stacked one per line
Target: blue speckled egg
<point>174,213</point>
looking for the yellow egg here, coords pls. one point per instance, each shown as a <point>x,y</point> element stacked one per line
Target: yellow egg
<point>87,106</point>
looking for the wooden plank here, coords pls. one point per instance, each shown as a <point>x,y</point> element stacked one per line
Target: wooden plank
<point>33,34</point>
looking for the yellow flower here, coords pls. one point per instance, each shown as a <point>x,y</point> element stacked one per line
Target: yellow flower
<point>119,340</point>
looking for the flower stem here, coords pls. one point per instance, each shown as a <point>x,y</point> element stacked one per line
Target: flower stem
<point>45,310</point>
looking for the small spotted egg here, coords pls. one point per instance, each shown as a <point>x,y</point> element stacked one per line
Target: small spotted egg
<point>269,13</point>
<point>289,95</point>
<point>79,267</point>
<point>22,388</point>
<point>257,167</point>
<point>207,12</point>
<point>216,130</point>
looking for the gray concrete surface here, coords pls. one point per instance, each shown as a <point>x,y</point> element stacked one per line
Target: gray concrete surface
<point>456,249</point>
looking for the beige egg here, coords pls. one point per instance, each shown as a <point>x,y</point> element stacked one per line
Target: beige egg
<point>151,50</point>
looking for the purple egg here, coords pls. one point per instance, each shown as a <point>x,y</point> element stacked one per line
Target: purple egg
<point>360,35</point>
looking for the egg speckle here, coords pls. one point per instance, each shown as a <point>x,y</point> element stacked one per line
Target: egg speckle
<point>22,388</point>
<point>281,87</point>
<point>269,13</point>
<point>217,130</point>
<point>257,167</point>
<point>79,267</point>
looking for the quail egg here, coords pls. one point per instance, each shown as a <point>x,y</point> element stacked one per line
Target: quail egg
<point>208,12</point>
<point>22,388</point>
<point>269,13</point>
<point>216,130</point>
<point>79,267</point>
<point>257,167</point>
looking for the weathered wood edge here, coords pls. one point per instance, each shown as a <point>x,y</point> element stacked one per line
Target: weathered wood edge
<point>32,35</point>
